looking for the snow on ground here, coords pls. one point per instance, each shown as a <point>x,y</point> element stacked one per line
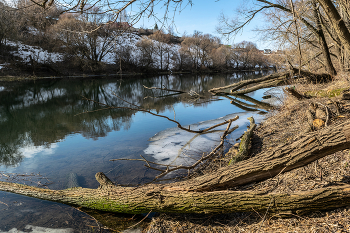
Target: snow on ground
<point>175,146</point>
<point>38,54</point>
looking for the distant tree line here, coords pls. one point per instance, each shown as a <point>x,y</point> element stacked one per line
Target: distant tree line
<point>93,41</point>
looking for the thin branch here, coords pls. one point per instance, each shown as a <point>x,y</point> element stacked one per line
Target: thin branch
<point>138,108</point>
<point>164,89</point>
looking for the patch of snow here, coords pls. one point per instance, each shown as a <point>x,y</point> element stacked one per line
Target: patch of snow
<point>175,146</point>
<point>3,65</point>
<point>2,88</point>
<point>26,52</point>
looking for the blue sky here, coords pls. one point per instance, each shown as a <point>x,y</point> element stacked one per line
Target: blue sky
<point>203,16</point>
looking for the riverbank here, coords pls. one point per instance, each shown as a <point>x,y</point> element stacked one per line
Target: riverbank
<point>14,73</point>
<point>282,126</point>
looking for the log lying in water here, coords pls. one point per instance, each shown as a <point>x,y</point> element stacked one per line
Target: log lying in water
<point>272,80</point>
<point>241,84</point>
<point>207,194</point>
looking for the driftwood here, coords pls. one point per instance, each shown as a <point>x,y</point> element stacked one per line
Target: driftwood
<point>243,106</point>
<point>209,194</point>
<point>267,84</point>
<point>257,103</point>
<point>272,80</point>
<point>241,84</point>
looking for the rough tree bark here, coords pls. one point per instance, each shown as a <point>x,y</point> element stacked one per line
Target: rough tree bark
<point>156,198</point>
<point>208,194</point>
<point>239,85</point>
<point>337,22</point>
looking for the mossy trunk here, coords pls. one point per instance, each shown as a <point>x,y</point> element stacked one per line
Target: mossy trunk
<point>158,198</point>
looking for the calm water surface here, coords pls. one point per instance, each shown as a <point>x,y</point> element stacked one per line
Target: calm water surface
<point>49,131</point>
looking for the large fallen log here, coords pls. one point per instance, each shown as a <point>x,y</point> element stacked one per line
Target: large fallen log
<point>239,85</point>
<point>208,194</point>
<point>157,198</point>
<point>272,80</point>
<point>267,164</point>
<point>273,83</point>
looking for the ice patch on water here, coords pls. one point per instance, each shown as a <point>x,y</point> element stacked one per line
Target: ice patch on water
<point>30,228</point>
<point>277,96</point>
<point>175,146</point>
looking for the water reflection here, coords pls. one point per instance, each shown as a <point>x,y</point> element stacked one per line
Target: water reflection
<point>44,133</point>
<point>44,130</point>
<point>38,114</point>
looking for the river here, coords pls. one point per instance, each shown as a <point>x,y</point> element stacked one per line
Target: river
<point>56,130</point>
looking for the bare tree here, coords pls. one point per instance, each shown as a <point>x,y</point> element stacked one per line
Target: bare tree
<point>199,47</point>
<point>161,46</point>
<point>7,23</point>
<point>282,20</point>
<point>82,40</point>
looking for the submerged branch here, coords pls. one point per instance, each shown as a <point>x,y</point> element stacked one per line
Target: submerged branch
<point>138,108</point>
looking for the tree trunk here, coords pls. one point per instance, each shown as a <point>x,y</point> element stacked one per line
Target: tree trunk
<point>196,195</point>
<point>266,84</point>
<point>325,51</point>
<point>337,22</point>
<point>157,199</point>
<point>236,86</point>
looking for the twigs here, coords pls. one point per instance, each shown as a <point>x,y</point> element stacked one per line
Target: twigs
<point>170,168</point>
<point>327,113</point>
<point>140,221</point>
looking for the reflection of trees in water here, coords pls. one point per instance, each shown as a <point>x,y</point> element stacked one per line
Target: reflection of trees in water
<point>49,110</point>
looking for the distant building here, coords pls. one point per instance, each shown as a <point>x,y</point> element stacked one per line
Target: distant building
<point>267,51</point>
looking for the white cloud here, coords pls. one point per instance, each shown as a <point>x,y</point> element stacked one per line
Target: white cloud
<point>30,151</point>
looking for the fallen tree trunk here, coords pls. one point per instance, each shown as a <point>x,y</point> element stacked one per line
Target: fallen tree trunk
<point>267,84</point>
<point>258,104</point>
<point>196,195</point>
<point>271,80</point>
<point>239,85</point>
<point>283,158</point>
<point>156,198</point>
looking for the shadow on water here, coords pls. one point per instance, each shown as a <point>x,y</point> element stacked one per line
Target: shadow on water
<point>49,129</point>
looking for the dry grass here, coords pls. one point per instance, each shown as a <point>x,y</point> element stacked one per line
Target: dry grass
<point>283,125</point>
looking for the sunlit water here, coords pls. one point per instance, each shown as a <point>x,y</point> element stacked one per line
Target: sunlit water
<point>49,131</point>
